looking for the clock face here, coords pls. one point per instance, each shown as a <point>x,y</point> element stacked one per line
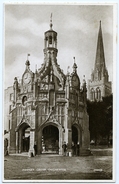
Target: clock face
<point>75,81</point>
<point>27,78</point>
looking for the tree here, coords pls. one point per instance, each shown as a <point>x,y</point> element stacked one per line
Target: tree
<point>109,115</point>
<point>100,117</point>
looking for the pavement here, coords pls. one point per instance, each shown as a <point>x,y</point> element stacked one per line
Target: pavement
<point>98,166</point>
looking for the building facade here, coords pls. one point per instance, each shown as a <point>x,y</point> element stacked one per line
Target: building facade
<point>99,86</point>
<point>8,103</point>
<point>49,107</point>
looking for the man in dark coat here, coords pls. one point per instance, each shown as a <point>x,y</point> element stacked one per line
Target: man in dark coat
<point>35,148</point>
<point>64,146</point>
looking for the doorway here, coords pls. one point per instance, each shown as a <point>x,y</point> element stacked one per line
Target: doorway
<point>24,138</point>
<point>50,139</point>
<point>74,135</point>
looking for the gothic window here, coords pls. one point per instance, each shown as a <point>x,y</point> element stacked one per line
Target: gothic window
<point>99,96</point>
<point>50,39</point>
<point>11,96</point>
<point>51,98</point>
<point>98,75</point>
<point>92,77</point>
<point>76,98</point>
<point>46,42</point>
<point>24,99</point>
<point>92,94</point>
<point>72,113</point>
<point>62,110</point>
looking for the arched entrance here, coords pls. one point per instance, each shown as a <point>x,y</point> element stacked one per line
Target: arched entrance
<point>50,139</point>
<point>75,137</point>
<point>26,139</point>
<point>23,138</point>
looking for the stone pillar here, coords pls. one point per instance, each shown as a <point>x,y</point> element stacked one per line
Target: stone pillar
<point>39,141</point>
<point>60,140</point>
<point>69,130</point>
<point>17,142</point>
<point>66,139</point>
<point>20,141</point>
<point>48,42</point>
<point>32,139</point>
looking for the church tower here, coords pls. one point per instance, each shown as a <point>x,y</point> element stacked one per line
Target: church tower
<point>99,85</point>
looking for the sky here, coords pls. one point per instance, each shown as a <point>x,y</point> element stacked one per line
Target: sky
<point>77,27</point>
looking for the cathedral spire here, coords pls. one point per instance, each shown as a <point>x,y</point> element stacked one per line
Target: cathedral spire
<point>100,58</point>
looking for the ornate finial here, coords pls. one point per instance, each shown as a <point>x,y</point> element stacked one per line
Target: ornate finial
<point>68,69</point>
<point>74,66</point>
<point>27,61</point>
<point>74,59</point>
<point>51,21</point>
<point>15,79</point>
<point>84,81</point>
<point>36,68</point>
<point>28,56</point>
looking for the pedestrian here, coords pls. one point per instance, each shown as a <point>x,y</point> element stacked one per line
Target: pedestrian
<point>35,148</point>
<point>72,147</point>
<point>78,149</point>
<point>75,149</point>
<point>64,146</point>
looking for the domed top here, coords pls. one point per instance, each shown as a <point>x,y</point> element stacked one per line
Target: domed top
<point>51,25</point>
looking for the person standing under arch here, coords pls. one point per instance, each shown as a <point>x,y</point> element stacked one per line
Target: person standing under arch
<point>64,146</point>
<point>35,148</point>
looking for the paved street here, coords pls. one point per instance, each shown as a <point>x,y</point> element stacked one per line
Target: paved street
<point>97,166</point>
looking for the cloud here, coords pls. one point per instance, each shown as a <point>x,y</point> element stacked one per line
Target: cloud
<point>77,28</point>
<point>17,40</point>
<point>24,25</point>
